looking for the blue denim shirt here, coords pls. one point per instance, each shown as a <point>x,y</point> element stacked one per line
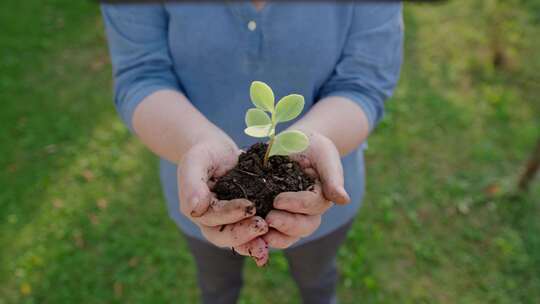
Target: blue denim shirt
<point>211,52</point>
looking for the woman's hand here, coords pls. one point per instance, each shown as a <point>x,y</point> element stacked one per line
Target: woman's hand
<point>298,214</point>
<point>224,223</point>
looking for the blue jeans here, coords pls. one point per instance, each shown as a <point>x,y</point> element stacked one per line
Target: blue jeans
<point>313,267</point>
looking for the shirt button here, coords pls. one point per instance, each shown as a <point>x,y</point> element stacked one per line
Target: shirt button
<point>252,25</point>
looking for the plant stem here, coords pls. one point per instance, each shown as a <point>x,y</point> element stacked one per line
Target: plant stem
<point>267,154</point>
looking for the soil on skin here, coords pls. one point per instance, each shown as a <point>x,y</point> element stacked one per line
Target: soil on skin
<point>251,180</point>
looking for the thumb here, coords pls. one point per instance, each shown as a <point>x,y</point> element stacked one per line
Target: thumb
<point>336,193</point>
<point>198,204</point>
<point>327,163</point>
<point>194,193</point>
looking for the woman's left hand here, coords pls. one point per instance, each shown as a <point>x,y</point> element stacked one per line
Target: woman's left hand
<point>298,214</point>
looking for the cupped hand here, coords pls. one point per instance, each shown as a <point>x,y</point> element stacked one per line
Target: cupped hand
<point>298,214</point>
<point>231,224</point>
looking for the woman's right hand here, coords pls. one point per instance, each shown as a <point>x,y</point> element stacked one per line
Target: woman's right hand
<point>231,224</point>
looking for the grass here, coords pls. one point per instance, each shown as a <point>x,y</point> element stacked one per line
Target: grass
<point>82,218</point>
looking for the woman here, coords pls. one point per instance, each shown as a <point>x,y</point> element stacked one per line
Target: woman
<point>182,75</point>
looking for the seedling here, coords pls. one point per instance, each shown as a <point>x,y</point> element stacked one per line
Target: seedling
<point>247,180</point>
<point>260,124</point>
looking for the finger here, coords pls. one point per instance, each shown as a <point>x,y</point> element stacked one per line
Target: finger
<point>293,224</point>
<point>311,172</point>
<point>211,182</point>
<point>232,235</point>
<point>193,189</point>
<point>302,159</point>
<point>221,212</point>
<point>276,239</point>
<point>256,249</point>
<point>330,170</point>
<point>197,167</point>
<point>305,163</point>
<point>224,161</point>
<point>305,202</point>
<point>327,162</point>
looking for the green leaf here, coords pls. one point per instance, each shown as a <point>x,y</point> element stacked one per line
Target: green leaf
<point>289,107</point>
<point>277,149</point>
<point>259,131</point>
<point>289,142</point>
<point>262,96</point>
<point>257,117</point>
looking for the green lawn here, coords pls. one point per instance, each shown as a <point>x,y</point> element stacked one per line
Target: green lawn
<point>82,219</point>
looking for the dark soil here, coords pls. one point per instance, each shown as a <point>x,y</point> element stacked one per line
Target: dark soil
<point>251,180</point>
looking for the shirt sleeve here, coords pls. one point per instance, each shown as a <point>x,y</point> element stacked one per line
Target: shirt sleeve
<point>139,49</point>
<point>370,63</point>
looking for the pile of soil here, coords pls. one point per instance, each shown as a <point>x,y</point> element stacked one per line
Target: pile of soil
<point>251,180</point>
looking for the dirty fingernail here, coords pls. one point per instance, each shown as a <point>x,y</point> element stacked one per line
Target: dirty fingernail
<point>250,210</point>
<point>260,226</point>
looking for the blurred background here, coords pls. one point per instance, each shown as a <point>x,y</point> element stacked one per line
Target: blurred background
<point>82,219</point>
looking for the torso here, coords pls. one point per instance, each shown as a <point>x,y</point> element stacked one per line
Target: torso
<point>293,47</point>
